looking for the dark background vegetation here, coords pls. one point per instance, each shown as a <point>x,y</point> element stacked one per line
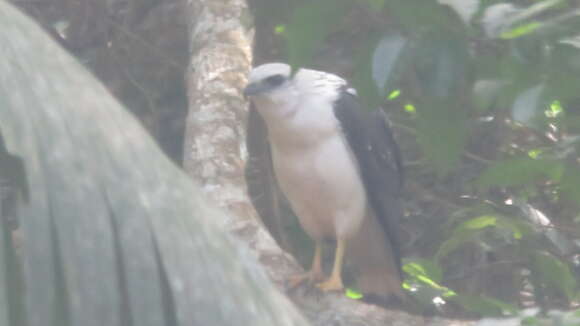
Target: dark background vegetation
<point>483,96</point>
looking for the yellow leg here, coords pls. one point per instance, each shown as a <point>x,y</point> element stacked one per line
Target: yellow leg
<point>334,283</point>
<point>315,274</point>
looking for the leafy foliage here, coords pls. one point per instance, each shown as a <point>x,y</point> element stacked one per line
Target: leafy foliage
<point>488,90</point>
<point>552,272</point>
<point>520,171</point>
<point>309,25</point>
<point>484,305</point>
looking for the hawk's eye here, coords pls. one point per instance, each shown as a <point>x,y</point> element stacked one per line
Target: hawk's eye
<point>275,80</point>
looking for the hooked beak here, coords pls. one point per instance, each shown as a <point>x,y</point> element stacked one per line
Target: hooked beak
<point>253,89</point>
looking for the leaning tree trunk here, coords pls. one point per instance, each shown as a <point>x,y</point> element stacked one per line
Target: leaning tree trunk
<point>215,153</point>
<point>221,47</point>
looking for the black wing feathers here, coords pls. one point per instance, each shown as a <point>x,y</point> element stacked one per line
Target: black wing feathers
<point>377,154</point>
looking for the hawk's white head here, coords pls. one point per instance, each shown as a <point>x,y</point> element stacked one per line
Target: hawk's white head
<point>271,83</point>
<point>276,91</point>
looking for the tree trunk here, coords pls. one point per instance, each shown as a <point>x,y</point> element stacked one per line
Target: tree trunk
<point>214,143</point>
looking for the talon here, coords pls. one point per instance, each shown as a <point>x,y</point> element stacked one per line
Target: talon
<point>314,275</point>
<point>310,277</point>
<point>296,280</point>
<point>332,284</point>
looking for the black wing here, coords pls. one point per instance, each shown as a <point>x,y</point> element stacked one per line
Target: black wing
<point>379,159</point>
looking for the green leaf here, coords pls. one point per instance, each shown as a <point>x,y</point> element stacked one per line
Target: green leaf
<point>535,153</point>
<point>496,16</point>
<point>529,105</point>
<point>410,108</point>
<point>456,240</point>
<point>423,267</point>
<point>353,294</point>
<point>308,28</point>
<point>554,273</point>
<point>469,230</point>
<point>394,94</point>
<point>499,19</point>
<point>519,171</point>
<point>385,59</point>
<point>463,233</point>
<point>480,222</point>
<point>520,31</point>
<point>555,110</point>
<point>280,29</point>
<point>535,10</point>
<point>377,64</point>
<point>424,278</point>
<point>518,228</point>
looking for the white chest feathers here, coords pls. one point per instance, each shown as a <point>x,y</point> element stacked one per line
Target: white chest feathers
<point>313,163</point>
<point>320,177</point>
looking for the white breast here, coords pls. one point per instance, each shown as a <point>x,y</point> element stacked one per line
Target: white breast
<point>319,175</point>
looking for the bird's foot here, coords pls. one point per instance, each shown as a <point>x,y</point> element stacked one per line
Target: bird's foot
<point>332,284</point>
<point>310,277</point>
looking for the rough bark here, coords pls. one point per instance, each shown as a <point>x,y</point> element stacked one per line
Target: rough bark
<point>215,152</point>
<point>221,57</point>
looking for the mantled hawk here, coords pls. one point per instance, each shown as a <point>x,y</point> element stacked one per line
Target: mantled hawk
<point>340,169</point>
